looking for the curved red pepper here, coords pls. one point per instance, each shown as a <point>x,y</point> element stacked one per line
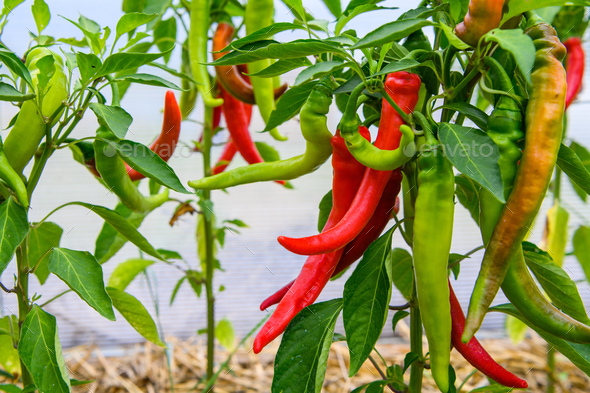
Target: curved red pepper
<point>475,354</point>
<point>574,68</point>
<point>228,153</point>
<point>403,88</point>
<point>165,143</point>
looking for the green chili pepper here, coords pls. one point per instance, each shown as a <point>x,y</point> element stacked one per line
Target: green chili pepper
<point>259,14</point>
<point>30,127</point>
<point>188,97</point>
<point>197,40</point>
<point>318,149</point>
<point>114,175</point>
<point>13,179</point>
<point>433,228</point>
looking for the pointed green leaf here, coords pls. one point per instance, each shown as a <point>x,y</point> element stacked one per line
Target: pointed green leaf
<point>393,31</point>
<point>403,272</point>
<point>42,240</point>
<point>14,227</point>
<point>114,118</point>
<point>135,313</point>
<point>282,66</point>
<point>289,104</point>
<point>317,70</point>
<point>366,301</point>
<point>131,21</point>
<point>301,361</point>
<point>88,64</point>
<point>15,64</point>
<point>9,93</point>
<point>125,272</point>
<point>83,274</point>
<point>224,333</point>
<point>519,45</point>
<point>109,240</point>
<point>120,62</point>
<point>165,36</point>
<point>40,351</point>
<point>262,34</point>
<point>41,14</point>
<point>149,80</point>
<point>325,208</point>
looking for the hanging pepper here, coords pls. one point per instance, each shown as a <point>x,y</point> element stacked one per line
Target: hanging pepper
<point>475,354</point>
<point>197,41</point>
<point>188,96</point>
<point>227,155</point>
<point>165,143</point>
<point>13,179</point>
<point>574,67</point>
<point>483,16</point>
<point>312,279</point>
<point>433,229</point>
<point>315,131</point>
<point>114,175</point>
<point>230,77</point>
<point>259,14</point>
<point>503,228</point>
<point>356,248</point>
<point>403,88</point>
<point>30,126</point>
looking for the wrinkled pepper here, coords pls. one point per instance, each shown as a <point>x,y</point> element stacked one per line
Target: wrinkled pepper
<point>403,87</point>
<point>433,229</point>
<point>30,126</point>
<point>230,77</point>
<point>483,16</point>
<point>315,131</point>
<point>259,14</point>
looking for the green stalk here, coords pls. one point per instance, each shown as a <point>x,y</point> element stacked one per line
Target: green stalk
<point>209,262</point>
<point>24,306</point>
<point>417,368</point>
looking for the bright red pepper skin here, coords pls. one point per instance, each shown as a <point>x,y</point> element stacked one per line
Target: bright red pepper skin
<point>166,142</point>
<point>574,68</point>
<point>475,354</point>
<point>355,249</point>
<point>227,155</point>
<point>403,88</point>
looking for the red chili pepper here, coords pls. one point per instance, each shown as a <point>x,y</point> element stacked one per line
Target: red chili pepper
<point>355,249</point>
<point>403,88</point>
<point>165,143</point>
<point>574,68</point>
<point>475,354</point>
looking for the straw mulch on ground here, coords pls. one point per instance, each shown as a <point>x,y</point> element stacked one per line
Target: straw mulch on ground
<point>143,368</point>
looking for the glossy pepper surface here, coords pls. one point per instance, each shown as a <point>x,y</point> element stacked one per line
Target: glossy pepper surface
<point>483,16</point>
<point>317,136</point>
<point>230,77</point>
<point>166,142</point>
<point>13,179</point>
<point>575,62</point>
<point>403,88</point>
<point>544,128</point>
<point>433,228</point>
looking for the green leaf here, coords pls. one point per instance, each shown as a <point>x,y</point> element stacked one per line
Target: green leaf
<point>10,5</point>
<point>584,155</point>
<point>83,274</point>
<point>88,64</point>
<point>572,165</point>
<point>516,329</point>
<point>9,93</point>
<point>334,6</point>
<point>473,113</point>
<point>366,301</point>
<point>579,354</point>
<point>125,272</point>
<point>145,161</point>
<point>262,34</point>
<point>467,192</point>
<point>10,388</point>
<point>40,351</point>
<point>270,49</point>
<point>398,316</point>
<point>518,7</point>
<point>109,240</point>
<point>403,273</point>
<point>475,154</point>
<point>351,13</point>
<point>449,33</point>
<point>14,226</point>
<point>301,361</point>
<point>317,70</point>
<point>267,152</point>
<point>325,209</point>
<point>581,242</point>
<point>122,226</point>
<point>42,240</point>
<point>114,118</point>
<point>282,66</point>
<point>148,79</point>
<point>41,14</point>
<point>393,31</point>
<point>401,65</point>
<point>176,289</point>
<point>120,62</point>
<point>296,7</point>
<point>135,313</point>
<point>519,45</point>
<point>14,64</point>
<point>131,21</point>
<point>165,36</point>
<point>9,359</point>
<point>224,333</point>
<point>289,104</point>
<point>91,31</point>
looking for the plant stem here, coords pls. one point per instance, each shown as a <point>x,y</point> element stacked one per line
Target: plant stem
<point>417,368</point>
<point>551,370</point>
<point>210,262</point>
<point>23,299</point>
